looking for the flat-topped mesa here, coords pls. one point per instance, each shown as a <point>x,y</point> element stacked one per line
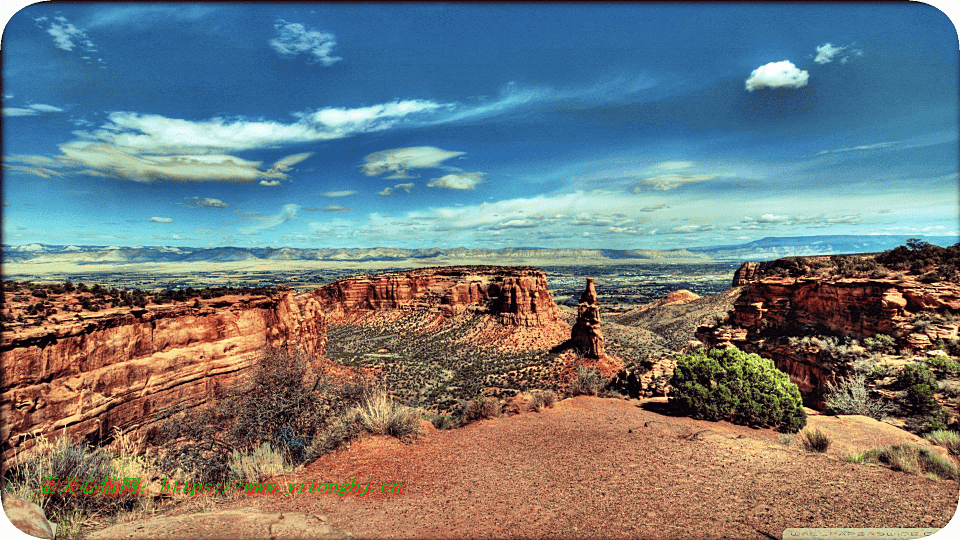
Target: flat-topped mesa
<point>129,368</point>
<point>516,296</point>
<point>587,336</point>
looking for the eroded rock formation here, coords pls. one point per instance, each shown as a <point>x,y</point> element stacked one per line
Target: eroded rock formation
<point>127,368</point>
<point>130,368</point>
<point>515,296</point>
<point>856,307</point>
<point>587,336</point>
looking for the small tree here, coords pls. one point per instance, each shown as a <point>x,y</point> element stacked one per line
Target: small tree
<point>729,384</point>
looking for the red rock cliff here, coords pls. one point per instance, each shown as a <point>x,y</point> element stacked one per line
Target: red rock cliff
<point>516,296</point>
<point>855,307</point>
<point>128,368</point>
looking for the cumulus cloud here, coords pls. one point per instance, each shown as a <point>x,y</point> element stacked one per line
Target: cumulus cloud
<point>464,181</point>
<point>156,219</point>
<point>399,160</point>
<point>666,182</point>
<point>777,75</point>
<point>386,192</point>
<point>212,203</point>
<point>345,193</point>
<point>270,183</point>
<point>294,39</point>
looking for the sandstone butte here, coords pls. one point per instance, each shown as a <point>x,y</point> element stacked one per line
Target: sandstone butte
<point>855,307</point>
<point>130,368</point>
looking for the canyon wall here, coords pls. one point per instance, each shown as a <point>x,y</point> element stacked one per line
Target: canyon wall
<point>127,368</point>
<point>769,308</point>
<point>514,296</point>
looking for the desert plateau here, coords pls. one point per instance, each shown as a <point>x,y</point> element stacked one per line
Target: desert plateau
<point>467,271</point>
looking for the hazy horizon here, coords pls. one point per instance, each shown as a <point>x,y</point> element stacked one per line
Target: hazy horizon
<point>567,126</point>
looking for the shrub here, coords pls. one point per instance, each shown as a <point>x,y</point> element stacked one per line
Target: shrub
<point>943,365</point>
<point>881,343</point>
<point>947,439</point>
<point>380,415</point>
<point>542,399</point>
<point>815,441</point>
<point>920,384</point>
<point>586,381</point>
<point>256,465</point>
<point>732,385</point>
<point>481,408</point>
<point>444,421</point>
<point>915,459</point>
<point>864,457</point>
<point>851,397</point>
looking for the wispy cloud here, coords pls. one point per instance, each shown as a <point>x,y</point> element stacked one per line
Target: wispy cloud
<point>288,212</point>
<point>335,208</point>
<point>874,146</point>
<point>345,193</point>
<point>777,75</point>
<point>827,52</point>
<point>67,36</point>
<point>156,219</point>
<point>30,110</point>
<point>294,39</point>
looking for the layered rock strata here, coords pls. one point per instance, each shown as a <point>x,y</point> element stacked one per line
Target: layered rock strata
<point>514,296</point>
<point>587,336</point>
<point>855,307</point>
<point>128,368</point>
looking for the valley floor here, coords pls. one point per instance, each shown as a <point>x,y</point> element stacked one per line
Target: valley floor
<point>611,468</point>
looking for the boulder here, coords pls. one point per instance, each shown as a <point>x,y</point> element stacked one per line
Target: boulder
<point>28,517</point>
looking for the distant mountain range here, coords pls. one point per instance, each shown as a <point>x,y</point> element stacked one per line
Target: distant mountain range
<point>759,250</point>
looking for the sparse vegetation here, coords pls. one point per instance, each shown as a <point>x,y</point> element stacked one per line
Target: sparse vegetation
<point>380,415</point>
<point>815,441</point>
<point>257,464</point>
<point>914,459</point>
<point>732,385</point>
<point>542,399</point>
<point>586,381</point>
<point>481,408</point>
<point>851,397</point>
<point>947,439</point>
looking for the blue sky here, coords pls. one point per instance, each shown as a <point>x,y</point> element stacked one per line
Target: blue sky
<point>616,126</point>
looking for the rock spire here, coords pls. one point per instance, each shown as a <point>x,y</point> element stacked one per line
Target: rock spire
<point>587,336</point>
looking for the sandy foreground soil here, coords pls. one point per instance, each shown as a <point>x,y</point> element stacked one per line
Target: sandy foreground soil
<point>610,468</point>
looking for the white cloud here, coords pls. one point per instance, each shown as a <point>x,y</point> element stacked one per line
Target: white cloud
<point>270,183</point>
<point>294,39</point>
<point>399,160</point>
<point>212,203</point>
<point>30,110</point>
<point>465,181</point>
<point>386,192</point>
<point>826,52</point>
<point>777,75</point>
<point>288,212</point>
<point>63,34</point>
<point>665,182</point>
<point>156,219</point>
<point>339,193</point>
<point>863,147</point>
<point>335,208</point>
